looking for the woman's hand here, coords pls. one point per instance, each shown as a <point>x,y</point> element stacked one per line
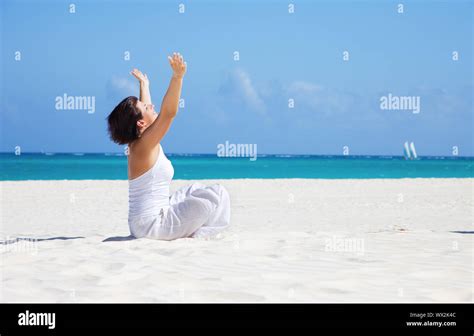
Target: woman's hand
<point>142,78</point>
<point>178,65</point>
<point>145,95</point>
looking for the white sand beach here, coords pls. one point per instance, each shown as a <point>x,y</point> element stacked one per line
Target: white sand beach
<point>291,240</point>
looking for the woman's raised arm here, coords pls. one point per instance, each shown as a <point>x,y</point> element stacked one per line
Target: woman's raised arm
<point>145,96</point>
<point>169,106</point>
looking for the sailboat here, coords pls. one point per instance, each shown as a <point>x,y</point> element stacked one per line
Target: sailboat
<point>409,151</point>
<point>413,151</point>
<point>406,151</point>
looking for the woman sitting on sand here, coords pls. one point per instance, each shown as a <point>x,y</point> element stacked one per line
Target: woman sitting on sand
<point>192,211</point>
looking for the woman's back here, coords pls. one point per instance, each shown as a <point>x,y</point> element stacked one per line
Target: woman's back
<point>150,192</point>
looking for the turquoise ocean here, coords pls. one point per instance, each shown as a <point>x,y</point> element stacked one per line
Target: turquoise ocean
<point>79,166</point>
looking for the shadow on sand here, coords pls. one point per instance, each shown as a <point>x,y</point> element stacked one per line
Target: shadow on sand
<point>31,239</point>
<point>119,238</point>
<point>463,232</point>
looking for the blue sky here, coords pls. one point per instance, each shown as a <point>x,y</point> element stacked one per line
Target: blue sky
<point>283,56</point>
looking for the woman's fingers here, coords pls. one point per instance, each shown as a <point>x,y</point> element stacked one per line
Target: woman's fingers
<point>177,63</point>
<point>177,57</point>
<point>136,73</point>
<point>139,75</point>
<point>172,61</point>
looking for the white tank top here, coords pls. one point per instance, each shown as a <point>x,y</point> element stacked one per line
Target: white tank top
<point>150,192</point>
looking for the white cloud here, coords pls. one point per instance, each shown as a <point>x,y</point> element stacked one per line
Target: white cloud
<point>320,99</point>
<point>304,87</point>
<point>121,87</point>
<point>250,94</point>
<point>239,87</point>
<point>124,84</point>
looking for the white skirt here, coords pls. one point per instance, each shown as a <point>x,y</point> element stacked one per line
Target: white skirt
<point>195,210</point>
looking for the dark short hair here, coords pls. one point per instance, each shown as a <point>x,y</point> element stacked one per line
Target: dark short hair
<point>122,121</point>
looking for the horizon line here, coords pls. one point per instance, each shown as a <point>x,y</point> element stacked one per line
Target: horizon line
<point>262,154</point>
